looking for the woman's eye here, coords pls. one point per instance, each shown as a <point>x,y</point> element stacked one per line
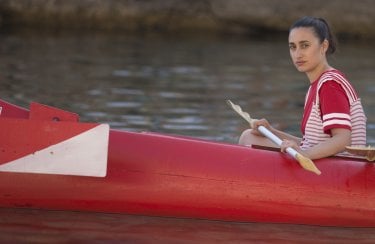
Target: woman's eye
<point>304,46</point>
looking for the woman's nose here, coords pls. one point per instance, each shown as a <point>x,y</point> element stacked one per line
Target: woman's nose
<point>298,53</point>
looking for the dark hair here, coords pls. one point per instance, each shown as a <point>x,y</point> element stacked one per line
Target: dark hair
<point>321,29</point>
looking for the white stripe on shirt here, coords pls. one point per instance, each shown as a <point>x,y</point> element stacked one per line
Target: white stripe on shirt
<point>336,115</point>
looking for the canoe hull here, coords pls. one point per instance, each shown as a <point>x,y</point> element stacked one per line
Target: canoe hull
<point>164,175</point>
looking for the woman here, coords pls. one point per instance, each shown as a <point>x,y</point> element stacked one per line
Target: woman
<point>333,115</point>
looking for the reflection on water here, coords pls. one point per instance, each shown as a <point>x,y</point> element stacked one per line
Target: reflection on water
<point>169,84</point>
<point>42,226</point>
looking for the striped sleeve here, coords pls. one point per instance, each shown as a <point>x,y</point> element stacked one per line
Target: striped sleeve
<point>334,105</point>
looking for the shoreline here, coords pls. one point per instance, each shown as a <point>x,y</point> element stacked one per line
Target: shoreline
<point>241,17</point>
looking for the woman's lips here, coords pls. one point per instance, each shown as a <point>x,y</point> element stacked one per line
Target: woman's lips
<point>300,63</point>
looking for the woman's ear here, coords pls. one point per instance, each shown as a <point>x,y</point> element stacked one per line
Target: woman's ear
<point>325,46</point>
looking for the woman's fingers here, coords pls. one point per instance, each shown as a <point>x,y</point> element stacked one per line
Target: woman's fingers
<point>287,143</point>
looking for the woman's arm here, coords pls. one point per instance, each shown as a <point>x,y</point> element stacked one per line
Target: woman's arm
<point>340,138</point>
<point>285,136</point>
<point>337,143</point>
<point>282,135</point>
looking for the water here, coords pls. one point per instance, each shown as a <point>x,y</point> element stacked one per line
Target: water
<point>170,84</point>
<point>175,85</point>
<point>37,226</point>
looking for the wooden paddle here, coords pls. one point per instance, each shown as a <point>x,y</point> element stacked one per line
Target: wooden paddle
<point>367,152</point>
<point>306,163</point>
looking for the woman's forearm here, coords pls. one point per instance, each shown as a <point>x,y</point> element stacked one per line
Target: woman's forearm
<point>340,138</point>
<point>285,136</point>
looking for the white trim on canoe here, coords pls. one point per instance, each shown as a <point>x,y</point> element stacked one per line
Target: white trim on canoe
<point>83,155</point>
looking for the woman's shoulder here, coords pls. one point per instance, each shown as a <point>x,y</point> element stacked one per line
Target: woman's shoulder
<point>335,79</point>
<point>332,74</point>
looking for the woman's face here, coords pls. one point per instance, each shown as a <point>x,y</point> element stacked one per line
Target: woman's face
<point>306,51</point>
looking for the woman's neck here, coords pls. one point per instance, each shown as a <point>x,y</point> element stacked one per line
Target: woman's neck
<point>317,72</point>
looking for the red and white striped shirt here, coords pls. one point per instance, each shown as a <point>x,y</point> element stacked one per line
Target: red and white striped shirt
<point>331,102</point>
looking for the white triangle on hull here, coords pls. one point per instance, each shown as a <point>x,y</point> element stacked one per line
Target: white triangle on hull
<point>84,155</point>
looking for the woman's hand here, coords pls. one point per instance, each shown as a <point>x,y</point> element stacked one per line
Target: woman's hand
<point>288,143</point>
<point>293,144</point>
<point>258,122</point>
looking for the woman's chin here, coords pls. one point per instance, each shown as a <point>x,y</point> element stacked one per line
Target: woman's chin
<point>301,69</point>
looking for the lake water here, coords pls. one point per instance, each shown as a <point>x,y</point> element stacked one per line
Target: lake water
<point>170,84</point>
<point>175,85</point>
<point>42,226</point>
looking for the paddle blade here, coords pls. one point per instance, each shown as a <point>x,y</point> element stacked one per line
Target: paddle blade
<point>307,164</point>
<point>367,152</point>
<point>239,111</point>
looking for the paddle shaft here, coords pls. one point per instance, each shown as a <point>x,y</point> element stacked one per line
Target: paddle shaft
<point>267,133</point>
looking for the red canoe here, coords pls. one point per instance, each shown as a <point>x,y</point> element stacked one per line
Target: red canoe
<point>163,175</point>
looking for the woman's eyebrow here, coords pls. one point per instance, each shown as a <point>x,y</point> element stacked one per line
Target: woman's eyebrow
<point>300,42</point>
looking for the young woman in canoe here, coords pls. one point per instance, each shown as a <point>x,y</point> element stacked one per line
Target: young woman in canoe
<point>333,115</point>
